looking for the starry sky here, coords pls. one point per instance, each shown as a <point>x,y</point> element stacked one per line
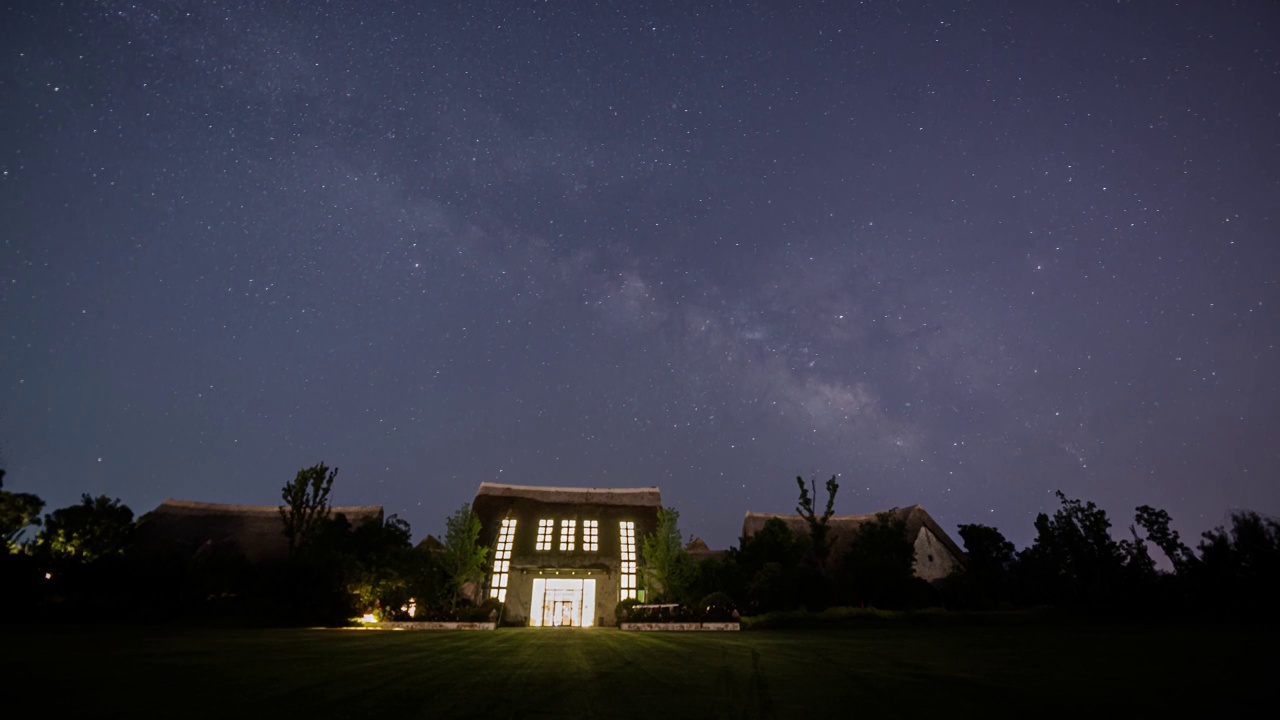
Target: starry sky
<point>960,254</point>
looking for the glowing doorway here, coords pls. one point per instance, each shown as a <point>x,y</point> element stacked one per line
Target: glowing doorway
<point>559,602</point>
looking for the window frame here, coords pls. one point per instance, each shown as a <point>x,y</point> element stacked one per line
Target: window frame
<point>568,534</point>
<point>546,534</point>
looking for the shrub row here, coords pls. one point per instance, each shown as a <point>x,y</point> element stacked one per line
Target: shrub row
<point>716,607</point>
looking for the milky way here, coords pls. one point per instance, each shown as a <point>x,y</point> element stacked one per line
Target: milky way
<point>960,256</point>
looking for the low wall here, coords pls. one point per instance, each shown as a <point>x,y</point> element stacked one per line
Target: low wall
<point>680,627</point>
<point>415,625</point>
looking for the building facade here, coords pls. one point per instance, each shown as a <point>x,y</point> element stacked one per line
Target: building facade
<point>564,557</point>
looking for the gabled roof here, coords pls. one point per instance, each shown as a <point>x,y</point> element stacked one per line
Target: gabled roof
<point>430,543</point>
<point>845,527</point>
<point>698,550</point>
<point>643,497</point>
<point>697,546</point>
<point>257,531</point>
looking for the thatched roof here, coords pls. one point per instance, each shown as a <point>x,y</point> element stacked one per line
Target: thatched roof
<point>697,546</point>
<point>430,543</point>
<point>649,496</point>
<point>528,504</point>
<point>844,528</point>
<point>255,530</point>
<point>698,550</point>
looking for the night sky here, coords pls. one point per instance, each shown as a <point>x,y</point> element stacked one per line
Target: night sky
<point>960,254</point>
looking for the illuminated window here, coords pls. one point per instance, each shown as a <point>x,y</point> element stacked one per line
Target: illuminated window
<point>501,561</point>
<point>590,535</point>
<point>568,531</point>
<point>545,530</point>
<point>627,531</point>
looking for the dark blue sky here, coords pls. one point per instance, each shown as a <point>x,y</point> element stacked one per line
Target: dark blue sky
<point>960,254</point>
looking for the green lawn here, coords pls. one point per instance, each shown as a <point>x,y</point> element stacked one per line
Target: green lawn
<point>896,669</point>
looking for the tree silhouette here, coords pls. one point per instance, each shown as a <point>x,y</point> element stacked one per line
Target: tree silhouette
<point>879,568</point>
<point>306,504</point>
<point>93,529</point>
<point>1156,524</point>
<point>767,563</point>
<point>819,537</point>
<point>1073,559</point>
<point>17,512</point>
<point>667,564</point>
<point>462,557</point>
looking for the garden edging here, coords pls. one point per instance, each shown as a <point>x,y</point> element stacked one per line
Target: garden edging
<point>429,625</point>
<point>679,626</point>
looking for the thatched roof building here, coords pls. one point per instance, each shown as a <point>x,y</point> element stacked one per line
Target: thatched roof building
<point>936,553</point>
<point>564,555</point>
<point>256,531</point>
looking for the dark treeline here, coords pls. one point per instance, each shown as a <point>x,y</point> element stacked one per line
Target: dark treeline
<point>88,562</point>
<point>1074,562</point>
<point>91,562</point>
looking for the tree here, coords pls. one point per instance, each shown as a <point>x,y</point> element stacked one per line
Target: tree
<point>17,512</point>
<point>879,569</point>
<point>667,566</point>
<point>380,563</point>
<point>983,582</point>
<point>819,539</point>
<point>95,528</point>
<point>988,551</point>
<point>1074,559</point>
<point>1156,524</point>
<point>1140,567</point>
<point>768,564</point>
<point>1239,568</point>
<point>463,556</point>
<point>306,505</point>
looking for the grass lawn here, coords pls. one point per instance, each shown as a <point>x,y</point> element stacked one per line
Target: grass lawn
<point>898,669</point>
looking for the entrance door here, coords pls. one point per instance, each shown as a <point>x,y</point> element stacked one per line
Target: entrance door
<point>564,612</point>
<point>562,602</point>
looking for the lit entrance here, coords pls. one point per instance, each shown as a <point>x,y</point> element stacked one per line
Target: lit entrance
<point>559,602</point>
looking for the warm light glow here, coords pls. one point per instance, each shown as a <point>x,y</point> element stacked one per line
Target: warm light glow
<point>560,602</point>
<point>502,559</point>
<point>590,535</point>
<point>627,532</point>
<point>568,535</point>
<point>546,528</point>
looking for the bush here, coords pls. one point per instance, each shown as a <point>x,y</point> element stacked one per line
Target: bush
<point>492,606</point>
<point>871,617</point>
<point>474,614</point>
<point>622,611</point>
<point>664,614</point>
<point>717,607</point>
<point>463,613</point>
